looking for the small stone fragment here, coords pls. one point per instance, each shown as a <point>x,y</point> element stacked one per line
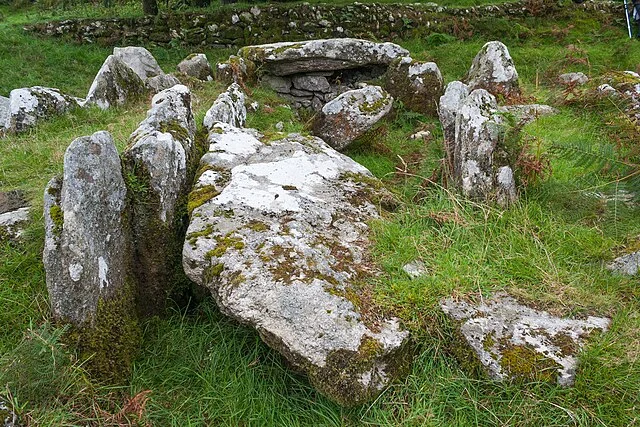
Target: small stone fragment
<point>628,265</point>
<point>352,114</point>
<point>12,223</point>
<point>415,269</point>
<point>511,340</point>
<point>528,113</point>
<point>196,65</point>
<point>574,79</point>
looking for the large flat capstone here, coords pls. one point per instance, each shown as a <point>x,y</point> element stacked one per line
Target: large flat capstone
<point>287,58</point>
<point>511,340</point>
<point>280,238</point>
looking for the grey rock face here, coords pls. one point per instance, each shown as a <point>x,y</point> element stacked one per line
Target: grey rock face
<point>279,84</point>
<point>352,114</point>
<point>8,417</point>
<point>4,112</point>
<point>288,58</point>
<point>115,84</point>
<point>29,105</point>
<point>85,254</point>
<point>280,243</point>
<point>415,269</point>
<point>628,265</point>
<point>476,158</point>
<point>139,60</point>
<point>234,70</point>
<point>528,113</point>
<point>450,103</point>
<point>573,79</point>
<point>493,70</point>
<point>12,223</point>
<point>227,108</point>
<point>159,154</point>
<point>159,83</point>
<point>418,85</point>
<point>196,65</point>
<point>311,83</point>
<point>511,340</point>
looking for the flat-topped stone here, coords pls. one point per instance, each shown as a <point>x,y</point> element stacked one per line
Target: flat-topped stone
<point>282,243</point>
<point>287,58</point>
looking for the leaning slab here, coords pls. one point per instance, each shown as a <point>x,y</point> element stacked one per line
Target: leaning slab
<point>511,340</point>
<point>27,106</point>
<point>158,160</point>
<point>86,254</point>
<point>115,84</point>
<point>280,238</point>
<point>287,58</point>
<point>352,114</point>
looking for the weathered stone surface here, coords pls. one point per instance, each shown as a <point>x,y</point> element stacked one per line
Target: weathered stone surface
<point>12,223</point>
<point>115,84</point>
<point>311,83</point>
<point>281,242</point>
<point>493,70</point>
<point>450,103</point>
<point>279,84</point>
<point>418,85</point>
<point>628,265</point>
<point>352,114</point>
<point>286,58</point>
<point>140,60</point>
<point>4,112</point>
<point>227,108</point>
<point>85,246</point>
<point>511,340</point>
<point>158,156</point>
<point>527,113</point>
<point>477,160</point>
<point>415,269</point>
<point>235,70</point>
<point>197,66</point>
<point>575,79</point>
<point>29,105</point>
<point>159,83</point>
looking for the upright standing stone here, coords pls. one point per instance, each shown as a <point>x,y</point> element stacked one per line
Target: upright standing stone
<point>479,166</point>
<point>196,65</point>
<point>86,254</point>
<point>493,70</point>
<point>157,164</point>
<point>228,108</point>
<point>448,109</point>
<point>4,113</point>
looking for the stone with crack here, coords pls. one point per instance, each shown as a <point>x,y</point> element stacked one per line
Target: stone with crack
<point>282,241</point>
<point>511,340</point>
<point>351,115</point>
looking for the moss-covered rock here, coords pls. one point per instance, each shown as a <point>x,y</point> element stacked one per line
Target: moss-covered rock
<point>418,85</point>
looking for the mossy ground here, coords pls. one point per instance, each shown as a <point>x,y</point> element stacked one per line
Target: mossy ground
<point>203,369</point>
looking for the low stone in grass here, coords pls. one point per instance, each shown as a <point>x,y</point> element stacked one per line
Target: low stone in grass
<point>279,236</point>
<point>156,166</point>
<point>573,79</point>
<point>511,340</point>
<point>418,85</point>
<point>351,115</point>
<point>628,265</point>
<point>27,106</point>
<point>86,256</point>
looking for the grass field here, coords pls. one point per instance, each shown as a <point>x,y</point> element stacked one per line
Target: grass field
<point>197,367</point>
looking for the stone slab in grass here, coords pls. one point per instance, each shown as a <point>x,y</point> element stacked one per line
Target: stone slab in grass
<point>628,265</point>
<point>279,236</point>
<point>286,58</point>
<point>28,106</point>
<point>511,340</point>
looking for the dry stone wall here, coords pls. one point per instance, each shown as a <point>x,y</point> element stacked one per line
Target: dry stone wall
<point>275,23</point>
